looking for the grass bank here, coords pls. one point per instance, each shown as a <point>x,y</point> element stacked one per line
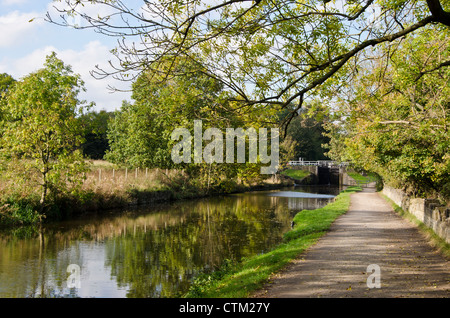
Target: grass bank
<point>296,173</point>
<point>435,240</point>
<point>299,176</point>
<point>106,187</point>
<point>240,280</point>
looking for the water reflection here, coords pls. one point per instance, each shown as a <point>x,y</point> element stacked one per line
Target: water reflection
<point>147,252</point>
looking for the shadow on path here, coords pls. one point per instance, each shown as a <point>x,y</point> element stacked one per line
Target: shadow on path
<point>369,233</point>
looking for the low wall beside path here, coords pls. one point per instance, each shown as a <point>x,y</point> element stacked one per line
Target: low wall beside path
<point>428,211</point>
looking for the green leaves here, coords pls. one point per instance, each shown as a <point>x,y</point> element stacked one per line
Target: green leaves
<point>140,133</point>
<point>41,129</point>
<point>398,121</point>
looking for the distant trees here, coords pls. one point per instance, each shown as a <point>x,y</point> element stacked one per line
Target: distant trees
<point>41,131</point>
<point>307,130</point>
<point>95,129</point>
<point>140,133</point>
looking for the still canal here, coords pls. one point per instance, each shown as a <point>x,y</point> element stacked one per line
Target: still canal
<point>148,252</point>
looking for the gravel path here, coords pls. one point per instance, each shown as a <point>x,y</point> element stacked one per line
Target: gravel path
<point>369,233</point>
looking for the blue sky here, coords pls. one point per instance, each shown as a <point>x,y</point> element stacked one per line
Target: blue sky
<point>24,45</point>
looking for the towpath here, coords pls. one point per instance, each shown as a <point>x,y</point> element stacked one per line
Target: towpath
<point>370,233</point>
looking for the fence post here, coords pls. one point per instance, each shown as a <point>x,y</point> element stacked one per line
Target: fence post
<point>126,173</point>
<point>135,175</point>
<point>100,175</point>
<point>146,173</point>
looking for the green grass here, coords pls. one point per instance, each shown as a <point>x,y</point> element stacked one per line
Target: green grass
<point>240,280</point>
<point>359,178</point>
<point>435,240</point>
<point>296,174</point>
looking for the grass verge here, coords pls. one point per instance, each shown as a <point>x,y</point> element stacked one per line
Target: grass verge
<point>240,280</point>
<point>435,240</point>
<point>360,179</point>
<point>296,174</point>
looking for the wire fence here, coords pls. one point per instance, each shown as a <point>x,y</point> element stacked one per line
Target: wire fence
<point>102,177</point>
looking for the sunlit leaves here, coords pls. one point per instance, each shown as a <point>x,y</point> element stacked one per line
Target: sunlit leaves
<point>399,114</point>
<point>41,129</point>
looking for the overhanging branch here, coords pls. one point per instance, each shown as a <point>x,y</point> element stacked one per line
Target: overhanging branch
<point>438,12</point>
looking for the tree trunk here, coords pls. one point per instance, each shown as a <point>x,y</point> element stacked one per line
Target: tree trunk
<point>43,200</point>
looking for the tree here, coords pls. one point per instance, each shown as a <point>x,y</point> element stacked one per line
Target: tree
<point>41,129</point>
<point>277,53</point>
<point>307,129</point>
<point>95,125</point>
<point>395,121</point>
<point>140,133</point>
<point>6,82</point>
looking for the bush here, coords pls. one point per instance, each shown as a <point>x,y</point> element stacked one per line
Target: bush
<point>19,211</point>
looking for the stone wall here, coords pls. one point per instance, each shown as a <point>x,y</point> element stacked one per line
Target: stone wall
<point>428,211</point>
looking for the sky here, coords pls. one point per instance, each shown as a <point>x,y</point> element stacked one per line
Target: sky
<point>24,46</point>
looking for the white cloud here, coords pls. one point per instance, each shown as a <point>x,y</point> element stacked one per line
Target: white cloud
<point>12,2</point>
<point>16,27</point>
<point>82,61</point>
<point>18,36</point>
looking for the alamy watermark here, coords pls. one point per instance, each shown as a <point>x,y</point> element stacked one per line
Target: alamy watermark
<point>74,279</point>
<point>258,146</point>
<point>374,279</point>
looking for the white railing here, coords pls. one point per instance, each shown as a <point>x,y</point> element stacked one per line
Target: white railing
<point>321,163</point>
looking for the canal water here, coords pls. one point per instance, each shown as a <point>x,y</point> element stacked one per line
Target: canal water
<point>152,252</point>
